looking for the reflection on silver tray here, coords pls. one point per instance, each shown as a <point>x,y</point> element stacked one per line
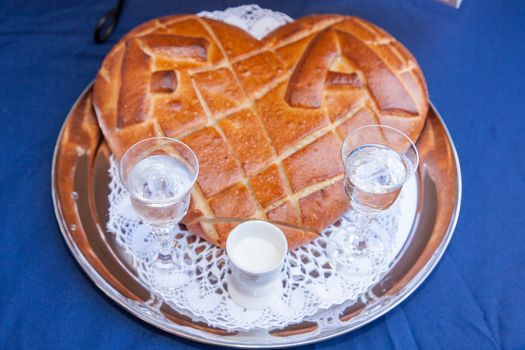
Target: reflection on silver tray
<point>80,193</point>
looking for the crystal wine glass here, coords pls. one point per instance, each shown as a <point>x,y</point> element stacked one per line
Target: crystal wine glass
<point>159,173</point>
<point>378,161</point>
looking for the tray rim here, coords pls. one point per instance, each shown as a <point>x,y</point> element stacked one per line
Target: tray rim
<point>392,302</point>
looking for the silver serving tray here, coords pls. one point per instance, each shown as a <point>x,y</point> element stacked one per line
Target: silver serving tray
<point>80,195</point>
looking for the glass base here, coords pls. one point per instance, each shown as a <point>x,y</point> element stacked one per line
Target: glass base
<point>173,270</point>
<point>166,262</point>
<point>170,279</point>
<point>358,252</point>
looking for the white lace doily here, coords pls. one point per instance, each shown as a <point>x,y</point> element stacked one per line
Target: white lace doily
<point>311,285</point>
<point>253,19</point>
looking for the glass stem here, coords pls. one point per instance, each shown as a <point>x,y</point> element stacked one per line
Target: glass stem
<point>164,235</point>
<point>358,240</point>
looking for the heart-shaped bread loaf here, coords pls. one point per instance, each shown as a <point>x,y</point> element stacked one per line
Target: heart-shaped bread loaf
<point>266,118</point>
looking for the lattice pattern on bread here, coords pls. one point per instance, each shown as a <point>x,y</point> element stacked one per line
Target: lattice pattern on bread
<point>265,118</point>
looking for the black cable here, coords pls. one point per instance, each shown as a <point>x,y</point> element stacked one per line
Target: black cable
<point>107,24</point>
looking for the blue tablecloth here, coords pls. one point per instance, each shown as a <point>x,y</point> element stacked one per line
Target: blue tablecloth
<point>474,62</point>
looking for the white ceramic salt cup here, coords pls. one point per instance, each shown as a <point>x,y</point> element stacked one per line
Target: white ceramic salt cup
<point>256,289</point>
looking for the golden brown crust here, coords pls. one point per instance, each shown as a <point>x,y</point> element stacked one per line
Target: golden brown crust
<point>265,118</point>
<point>234,202</point>
<point>286,125</point>
<point>320,207</point>
<point>234,41</point>
<point>362,117</point>
<point>135,79</point>
<point>385,87</point>
<point>217,169</point>
<point>268,186</point>
<point>253,72</point>
<point>163,81</point>
<point>291,53</point>
<point>248,141</point>
<point>285,212</point>
<point>220,91</point>
<point>305,88</point>
<point>303,167</point>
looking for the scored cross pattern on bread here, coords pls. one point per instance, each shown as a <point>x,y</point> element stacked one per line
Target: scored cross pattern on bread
<point>266,118</point>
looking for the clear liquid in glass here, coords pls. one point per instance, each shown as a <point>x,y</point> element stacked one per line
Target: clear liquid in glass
<point>160,189</point>
<point>375,176</point>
